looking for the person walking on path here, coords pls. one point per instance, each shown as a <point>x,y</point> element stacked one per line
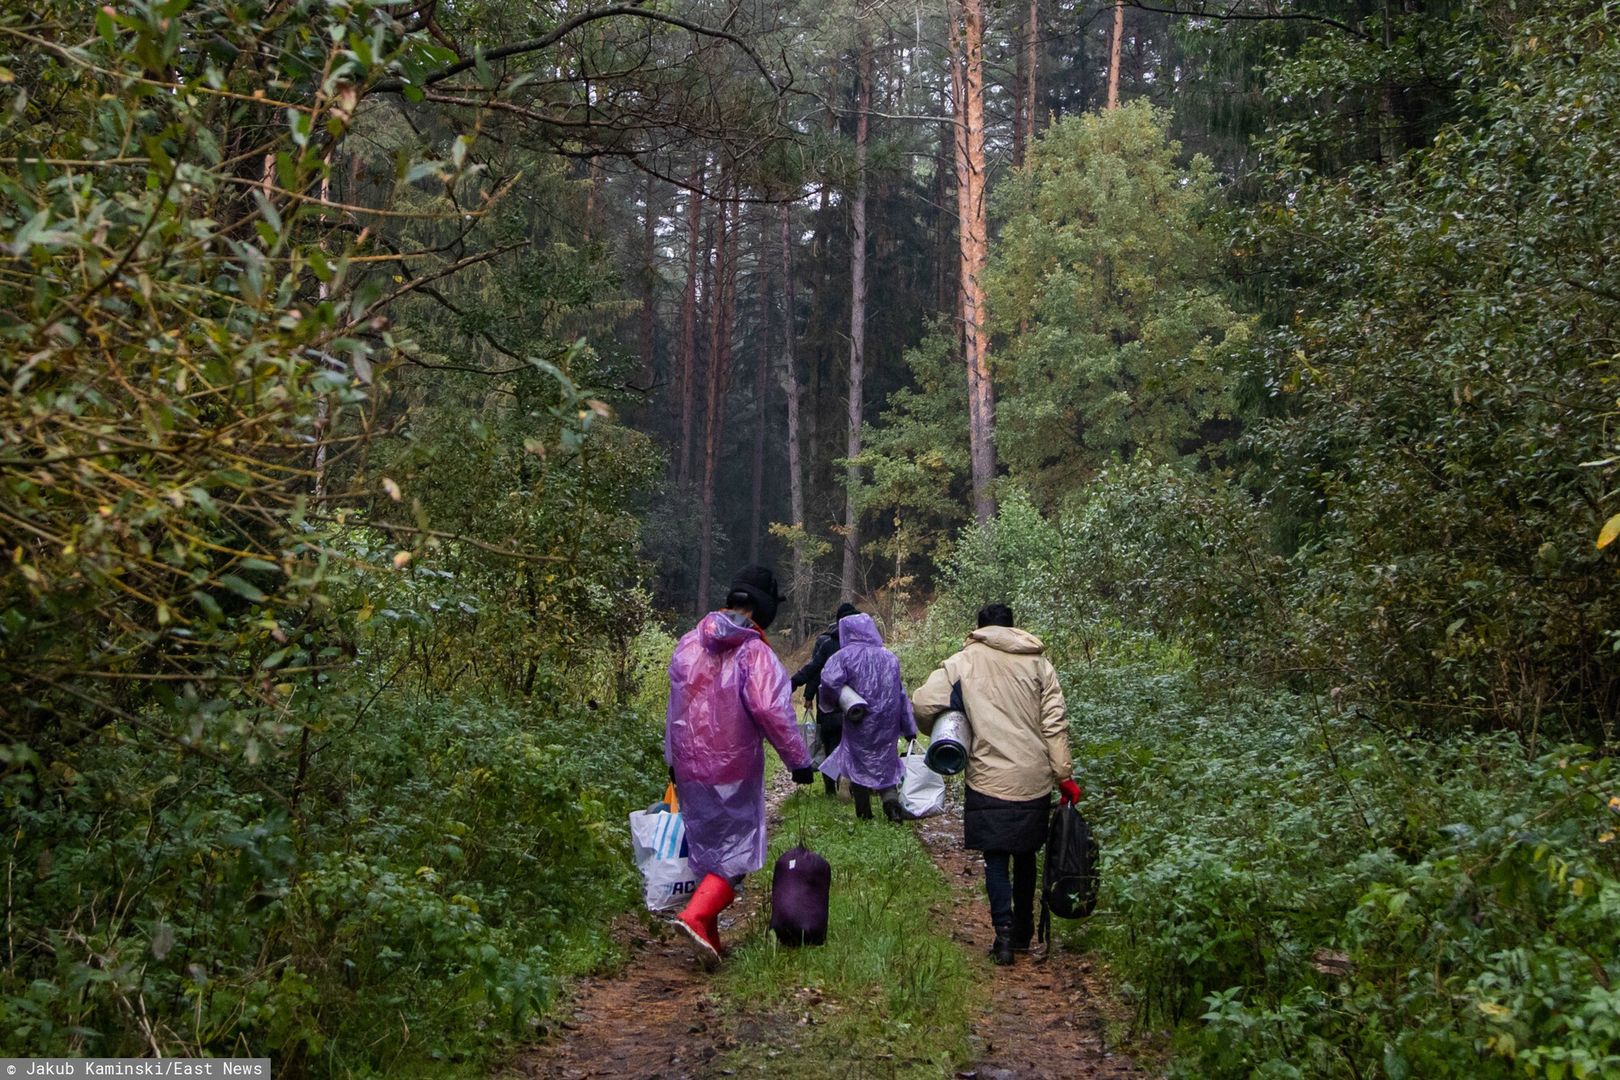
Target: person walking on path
<point>868,755</point>
<point>1020,751</point>
<point>830,722</point>
<point>728,694</point>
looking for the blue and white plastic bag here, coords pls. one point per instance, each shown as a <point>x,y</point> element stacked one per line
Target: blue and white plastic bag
<point>658,838</point>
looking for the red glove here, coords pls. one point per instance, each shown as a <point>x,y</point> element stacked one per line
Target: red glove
<point>1071,792</point>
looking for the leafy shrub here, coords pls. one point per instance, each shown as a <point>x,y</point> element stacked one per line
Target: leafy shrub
<point>1436,391</point>
<point>445,864</point>
<point>1311,898</point>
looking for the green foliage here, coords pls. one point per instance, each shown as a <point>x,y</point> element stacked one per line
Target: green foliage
<point>1438,384</point>
<point>1105,284</point>
<point>889,981</point>
<point>325,678</point>
<point>441,866</point>
<point>1309,897</point>
<point>169,361</point>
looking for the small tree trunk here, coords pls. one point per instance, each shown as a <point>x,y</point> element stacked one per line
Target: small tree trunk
<point>1113,54</point>
<point>1032,71</point>
<point>648,329</point>
<point>1388,118</point>
<point>593,196</point>
<point>724,290</point>
<point>857,327</point>
<point>323,408</point>
<point>790,389</point>
<point>810,418</point>
<point>687,361</point>
<point>762,393</point>
<point>1020,118</point>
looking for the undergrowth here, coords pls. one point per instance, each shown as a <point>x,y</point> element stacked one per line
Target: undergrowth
<point>1305,895</point>
<point>889,994</point>
<point>444,866</point>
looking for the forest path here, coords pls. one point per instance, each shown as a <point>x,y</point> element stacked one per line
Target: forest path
<point>661,1017</point>
<point>1043,1018</point>
<point>656,1017</point>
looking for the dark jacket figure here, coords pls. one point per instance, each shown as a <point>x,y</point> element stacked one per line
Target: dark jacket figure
<point>829,725</point>
<point>1020,753</point>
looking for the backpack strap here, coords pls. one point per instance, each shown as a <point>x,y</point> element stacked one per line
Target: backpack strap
<point>1043,928</point>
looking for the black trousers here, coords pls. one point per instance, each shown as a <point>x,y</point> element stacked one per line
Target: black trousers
<point>830,726</point>
<point>1012,895</point>
<point>863,798</point>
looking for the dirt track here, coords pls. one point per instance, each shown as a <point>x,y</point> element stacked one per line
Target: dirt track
<point>1043,1019</point>
<point>654,1020</point>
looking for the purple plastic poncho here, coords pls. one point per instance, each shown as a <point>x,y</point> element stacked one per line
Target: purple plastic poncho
<point>727,691</point>
<point>867,755</point>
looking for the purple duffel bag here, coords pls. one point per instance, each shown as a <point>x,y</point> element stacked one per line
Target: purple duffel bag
<point>799,887</point>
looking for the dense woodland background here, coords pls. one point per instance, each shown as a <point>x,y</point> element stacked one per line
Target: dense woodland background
<point>389,380</point>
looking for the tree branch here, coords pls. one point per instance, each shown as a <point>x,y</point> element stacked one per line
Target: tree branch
<point>1232,14</point>
<point>557,33</point>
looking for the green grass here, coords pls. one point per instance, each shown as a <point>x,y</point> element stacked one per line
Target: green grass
<point>888,995</point>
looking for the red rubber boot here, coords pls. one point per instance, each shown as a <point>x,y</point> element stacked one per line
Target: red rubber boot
<point>701,917</point>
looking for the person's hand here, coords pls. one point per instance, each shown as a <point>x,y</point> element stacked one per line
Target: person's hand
<point>806,775</point>
<point>1071,792</point>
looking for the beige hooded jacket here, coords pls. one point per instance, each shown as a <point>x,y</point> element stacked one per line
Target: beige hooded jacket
<point>1015,707</point>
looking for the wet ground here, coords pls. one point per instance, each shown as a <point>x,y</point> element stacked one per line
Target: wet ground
<point>1044,1017</point>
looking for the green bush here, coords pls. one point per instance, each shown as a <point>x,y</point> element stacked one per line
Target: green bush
<point>1311,898</point>
<point>445,864</point>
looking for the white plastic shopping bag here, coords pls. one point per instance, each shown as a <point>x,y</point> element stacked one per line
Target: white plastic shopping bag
<point>922,792</point>
<point>658,838</point>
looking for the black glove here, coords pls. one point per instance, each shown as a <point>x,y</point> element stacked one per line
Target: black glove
<point>805,775</point>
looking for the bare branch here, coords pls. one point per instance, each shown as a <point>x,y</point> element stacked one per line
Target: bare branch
<point>1232,14</point>
<point>556,34</point>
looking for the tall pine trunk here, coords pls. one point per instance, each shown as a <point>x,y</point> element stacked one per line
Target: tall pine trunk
<point>799,589</point>
<point>721,310</point>
<point>1020,117</point>
<point>1113,54</point>
<point>687,359</point>
<point>1032,72</point>
<point>857,327</point>
<point>973,243</point>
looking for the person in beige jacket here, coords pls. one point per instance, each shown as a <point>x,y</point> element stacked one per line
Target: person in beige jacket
<point>1020,752</point>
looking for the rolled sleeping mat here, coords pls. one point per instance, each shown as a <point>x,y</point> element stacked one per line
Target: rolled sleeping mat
<point>853,705</point>
<point>949,744</point>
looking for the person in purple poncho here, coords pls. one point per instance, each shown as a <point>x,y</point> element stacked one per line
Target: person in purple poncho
<point>867,753</point>
<point>728,694</point>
